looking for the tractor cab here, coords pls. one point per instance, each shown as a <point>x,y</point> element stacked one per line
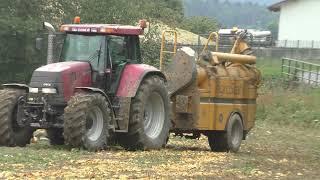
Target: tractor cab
<point>108,48</point>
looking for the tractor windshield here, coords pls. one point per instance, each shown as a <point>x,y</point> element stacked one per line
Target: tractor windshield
<point>84,48</point>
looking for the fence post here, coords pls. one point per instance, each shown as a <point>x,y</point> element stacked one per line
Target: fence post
<point>310,69</point>
<point>318,74</point>
<point>285,43</point>
<point>296,71</point>
<point>298,44</point>
<point>289,68</point>
<point>312,44</point>
<point>302,78</point>
<point>282,64</point>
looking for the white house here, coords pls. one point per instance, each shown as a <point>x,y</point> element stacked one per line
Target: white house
<point>299,24</point>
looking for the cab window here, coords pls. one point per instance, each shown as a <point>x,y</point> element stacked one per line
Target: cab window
<point>118,49</point>
<point>124,49</point>
<point>89,48</point>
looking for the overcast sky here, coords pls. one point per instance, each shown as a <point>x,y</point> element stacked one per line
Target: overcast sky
<point>266,2</point>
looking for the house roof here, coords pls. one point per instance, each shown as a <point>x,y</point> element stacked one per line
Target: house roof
<point>277,6</point>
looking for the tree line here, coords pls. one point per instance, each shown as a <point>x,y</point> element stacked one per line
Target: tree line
<point>24,16</point>
<point>232,13</point>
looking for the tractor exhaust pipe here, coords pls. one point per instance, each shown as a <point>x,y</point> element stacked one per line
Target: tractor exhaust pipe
<point>51,36</point>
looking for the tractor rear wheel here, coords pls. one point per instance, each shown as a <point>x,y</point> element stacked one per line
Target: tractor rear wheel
<point>10,132</point>
<point>87,121</point>
<point>149,117</point>
<point>229,140</point>
<point>55,136</point>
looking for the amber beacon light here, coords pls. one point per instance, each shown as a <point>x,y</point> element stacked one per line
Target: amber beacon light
<point>77,20</point>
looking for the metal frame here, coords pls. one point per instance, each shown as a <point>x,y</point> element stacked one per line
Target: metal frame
<point>303,71</point>
<point>211,38</point>
<point>163,44</point>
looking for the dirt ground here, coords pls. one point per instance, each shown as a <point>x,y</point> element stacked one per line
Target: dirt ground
<point>270,152</point>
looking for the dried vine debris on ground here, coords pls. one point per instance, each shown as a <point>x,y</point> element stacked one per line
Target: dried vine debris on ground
<point>270,152</point>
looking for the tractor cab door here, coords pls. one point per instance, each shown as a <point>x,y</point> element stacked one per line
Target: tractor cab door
<point>121,50</point>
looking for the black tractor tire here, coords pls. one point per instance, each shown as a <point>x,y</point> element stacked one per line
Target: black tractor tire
<point>229,140</point>
<point>149,122</point>
<point>10,133</point>
<point>87,119</point>
<point>55,136</point>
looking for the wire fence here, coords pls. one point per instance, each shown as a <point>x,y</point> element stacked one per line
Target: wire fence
<point>302,71</point>
<point>227,40</point>
<point>298,44</point>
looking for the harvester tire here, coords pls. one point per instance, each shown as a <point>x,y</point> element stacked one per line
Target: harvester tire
<point>10,133</point>
<point>149,122</point>
<point>55,136</point>
<point>229,140</point>
<point>87,119</point>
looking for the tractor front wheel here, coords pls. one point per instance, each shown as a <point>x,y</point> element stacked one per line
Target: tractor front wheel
<point>87,121</point>
<point>11,134</point>
<point>149,117</point>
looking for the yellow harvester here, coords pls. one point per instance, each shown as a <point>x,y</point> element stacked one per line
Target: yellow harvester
<point>213,94</point>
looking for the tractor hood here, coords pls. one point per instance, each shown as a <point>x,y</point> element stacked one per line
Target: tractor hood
<point>64,76</point>
<point>48,72</point>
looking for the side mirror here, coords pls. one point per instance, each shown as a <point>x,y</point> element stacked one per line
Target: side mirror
<point>39,43</point>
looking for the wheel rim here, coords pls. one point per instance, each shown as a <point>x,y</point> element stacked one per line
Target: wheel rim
<point>236,134</point>
<point>154,115</point>
<point>94,124</point>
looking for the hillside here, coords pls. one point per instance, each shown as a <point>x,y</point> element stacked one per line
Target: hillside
<point>241,13</point>
<point>263,2</point>
<point>184,36</point>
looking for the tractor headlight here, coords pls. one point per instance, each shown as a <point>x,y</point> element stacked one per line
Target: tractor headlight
<point>33,90</point>
<point>49,91</point>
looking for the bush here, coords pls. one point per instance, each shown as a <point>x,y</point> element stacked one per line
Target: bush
<point>286,103</point>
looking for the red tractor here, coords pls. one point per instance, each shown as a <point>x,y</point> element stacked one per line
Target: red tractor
<point>98,90</point>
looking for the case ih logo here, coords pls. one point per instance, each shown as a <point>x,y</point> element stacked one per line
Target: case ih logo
<point>78,29</point>
<point>46,84</point>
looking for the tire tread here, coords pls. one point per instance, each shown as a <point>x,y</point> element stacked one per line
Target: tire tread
<point>75,120</point>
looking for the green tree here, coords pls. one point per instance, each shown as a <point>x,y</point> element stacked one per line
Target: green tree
<point>22,16</point>
<point>20,23</point>
<point>274,28</point>
<point>129,12</point>
<point>200,24</point>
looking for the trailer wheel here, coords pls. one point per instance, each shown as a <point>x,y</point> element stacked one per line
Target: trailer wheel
<point>149,117</point>
<point>87,121</point>
<point>10,133</point>
<point>55,136</point>
<point>229,140</point>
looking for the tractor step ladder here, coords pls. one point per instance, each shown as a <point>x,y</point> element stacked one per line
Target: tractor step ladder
<point>180,72</point>
<point>163,50</point>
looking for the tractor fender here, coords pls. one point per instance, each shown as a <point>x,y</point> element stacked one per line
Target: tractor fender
<point>94,90</point>
<point>17,86</point>
<point>132,76</point>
